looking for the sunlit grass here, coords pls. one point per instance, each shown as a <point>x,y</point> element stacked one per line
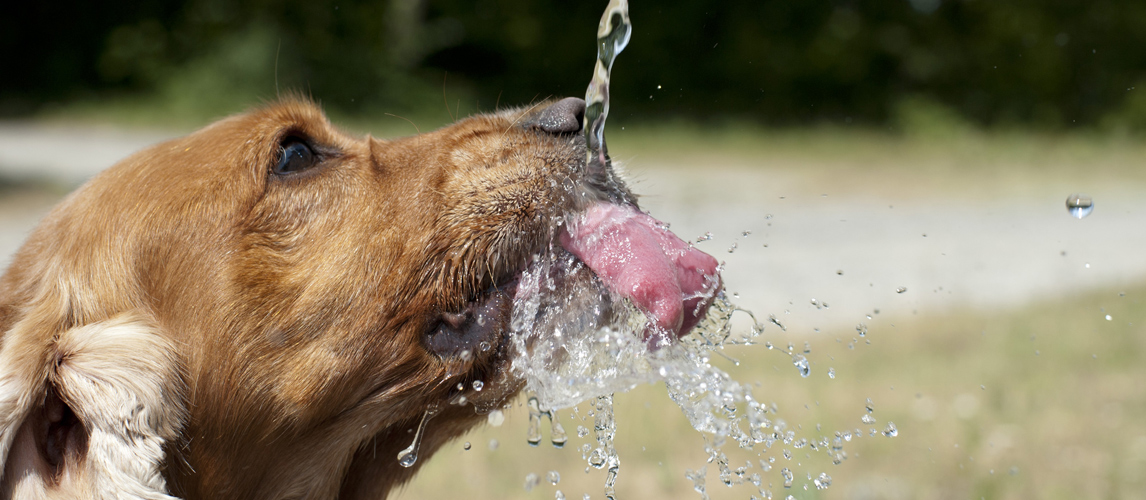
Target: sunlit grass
<point>1042,402</point>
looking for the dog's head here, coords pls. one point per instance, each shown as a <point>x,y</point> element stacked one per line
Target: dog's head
<point>269,307</point>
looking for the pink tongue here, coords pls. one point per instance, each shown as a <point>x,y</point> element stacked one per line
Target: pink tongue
<point>639,259</point>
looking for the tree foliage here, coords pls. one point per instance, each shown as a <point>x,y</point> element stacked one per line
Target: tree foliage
<point>1051,63</point>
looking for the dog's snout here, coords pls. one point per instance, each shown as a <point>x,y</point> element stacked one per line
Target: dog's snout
<point>562,117</point>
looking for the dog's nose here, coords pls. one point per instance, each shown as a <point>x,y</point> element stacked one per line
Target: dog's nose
<point>562,117</point>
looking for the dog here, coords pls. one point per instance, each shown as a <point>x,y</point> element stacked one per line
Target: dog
<point>272,308</point>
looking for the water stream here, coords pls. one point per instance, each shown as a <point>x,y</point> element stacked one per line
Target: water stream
<point>576,342</point>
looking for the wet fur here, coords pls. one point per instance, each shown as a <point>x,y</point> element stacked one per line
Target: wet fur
<point>188,323</point>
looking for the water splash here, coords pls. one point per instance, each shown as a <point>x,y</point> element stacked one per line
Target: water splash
<point>574,341</point>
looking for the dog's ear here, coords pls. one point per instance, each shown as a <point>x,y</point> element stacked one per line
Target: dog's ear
<point>86,413</point>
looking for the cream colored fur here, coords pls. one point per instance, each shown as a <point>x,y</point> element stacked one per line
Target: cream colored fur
<point>123,381</point>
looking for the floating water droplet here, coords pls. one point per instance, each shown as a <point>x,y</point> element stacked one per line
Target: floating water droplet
<point>745,233</point>
<point>807,348</point>
<point>409,456</point>
<point>901,289</point>
<point>553,476</point>
<point>772,318</point>
<point>484,346</point>
<point>531,481</point>
<point>496,418</point>
<point>582,431</point>
<point>478,385</point>
<point>869,406</point>
<point>559,495</point>
<point>867,419</point>
<point>788,477</point>
<point>891,430</point>
<point>823,481</point>
<point>861,328</point>
<point>461,386</point>
<point>802,365</point>
<point>705,237</point>
<point>493,444</point>
<point>466,446</point>
<point>831,373</point>
<point>1108,318</point>
<point>732,248</point>
<point>1079,205</point>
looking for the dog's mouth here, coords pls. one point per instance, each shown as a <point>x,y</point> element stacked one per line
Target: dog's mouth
<point>595,248</point>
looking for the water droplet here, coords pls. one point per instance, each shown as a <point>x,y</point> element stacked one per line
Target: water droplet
<point>732,248</point>
<point>560,495</point>
<point>533,433</point>
<point>554,477</point>
<point>867,419</point>
<point>823,481</point>
<point>496,418</point>
<point>478,385</point>
<point>493,444</point>
<point>484,346</point>
<point>461,386</point>
<point>705,237</point>
<point>861,329</point>
<point>409,456</point>
<point>802,365</point>
<point>1108,318</point>
<point>901,289</point>
<point>582,431</point>
<point>891,431</point>
<point>788,477</point>
<point>557,434</point>
<point>839,272</point>
<point>772,318</point>
<point>466,446</point>
<point>831,373</point>
<point>869,406</point>
<point>531,481</point>
<point>1079,205</point>
<point>745,233</point>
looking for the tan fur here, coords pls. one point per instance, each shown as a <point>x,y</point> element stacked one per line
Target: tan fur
<point>222,332</point>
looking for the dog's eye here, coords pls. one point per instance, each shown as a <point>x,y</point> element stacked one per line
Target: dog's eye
<point>294,156</point>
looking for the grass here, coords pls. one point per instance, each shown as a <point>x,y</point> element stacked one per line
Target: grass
<point>1041,402</point>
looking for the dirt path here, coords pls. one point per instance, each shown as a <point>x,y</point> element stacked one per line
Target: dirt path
<point>845,246</point>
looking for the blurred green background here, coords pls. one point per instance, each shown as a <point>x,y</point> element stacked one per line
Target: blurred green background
<point>1034,63</point>
<point>836,150</point>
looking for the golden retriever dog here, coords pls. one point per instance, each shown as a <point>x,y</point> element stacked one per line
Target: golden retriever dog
<point>270,308</point>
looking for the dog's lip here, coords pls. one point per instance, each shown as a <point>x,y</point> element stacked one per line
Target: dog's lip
<point>474,330</point>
